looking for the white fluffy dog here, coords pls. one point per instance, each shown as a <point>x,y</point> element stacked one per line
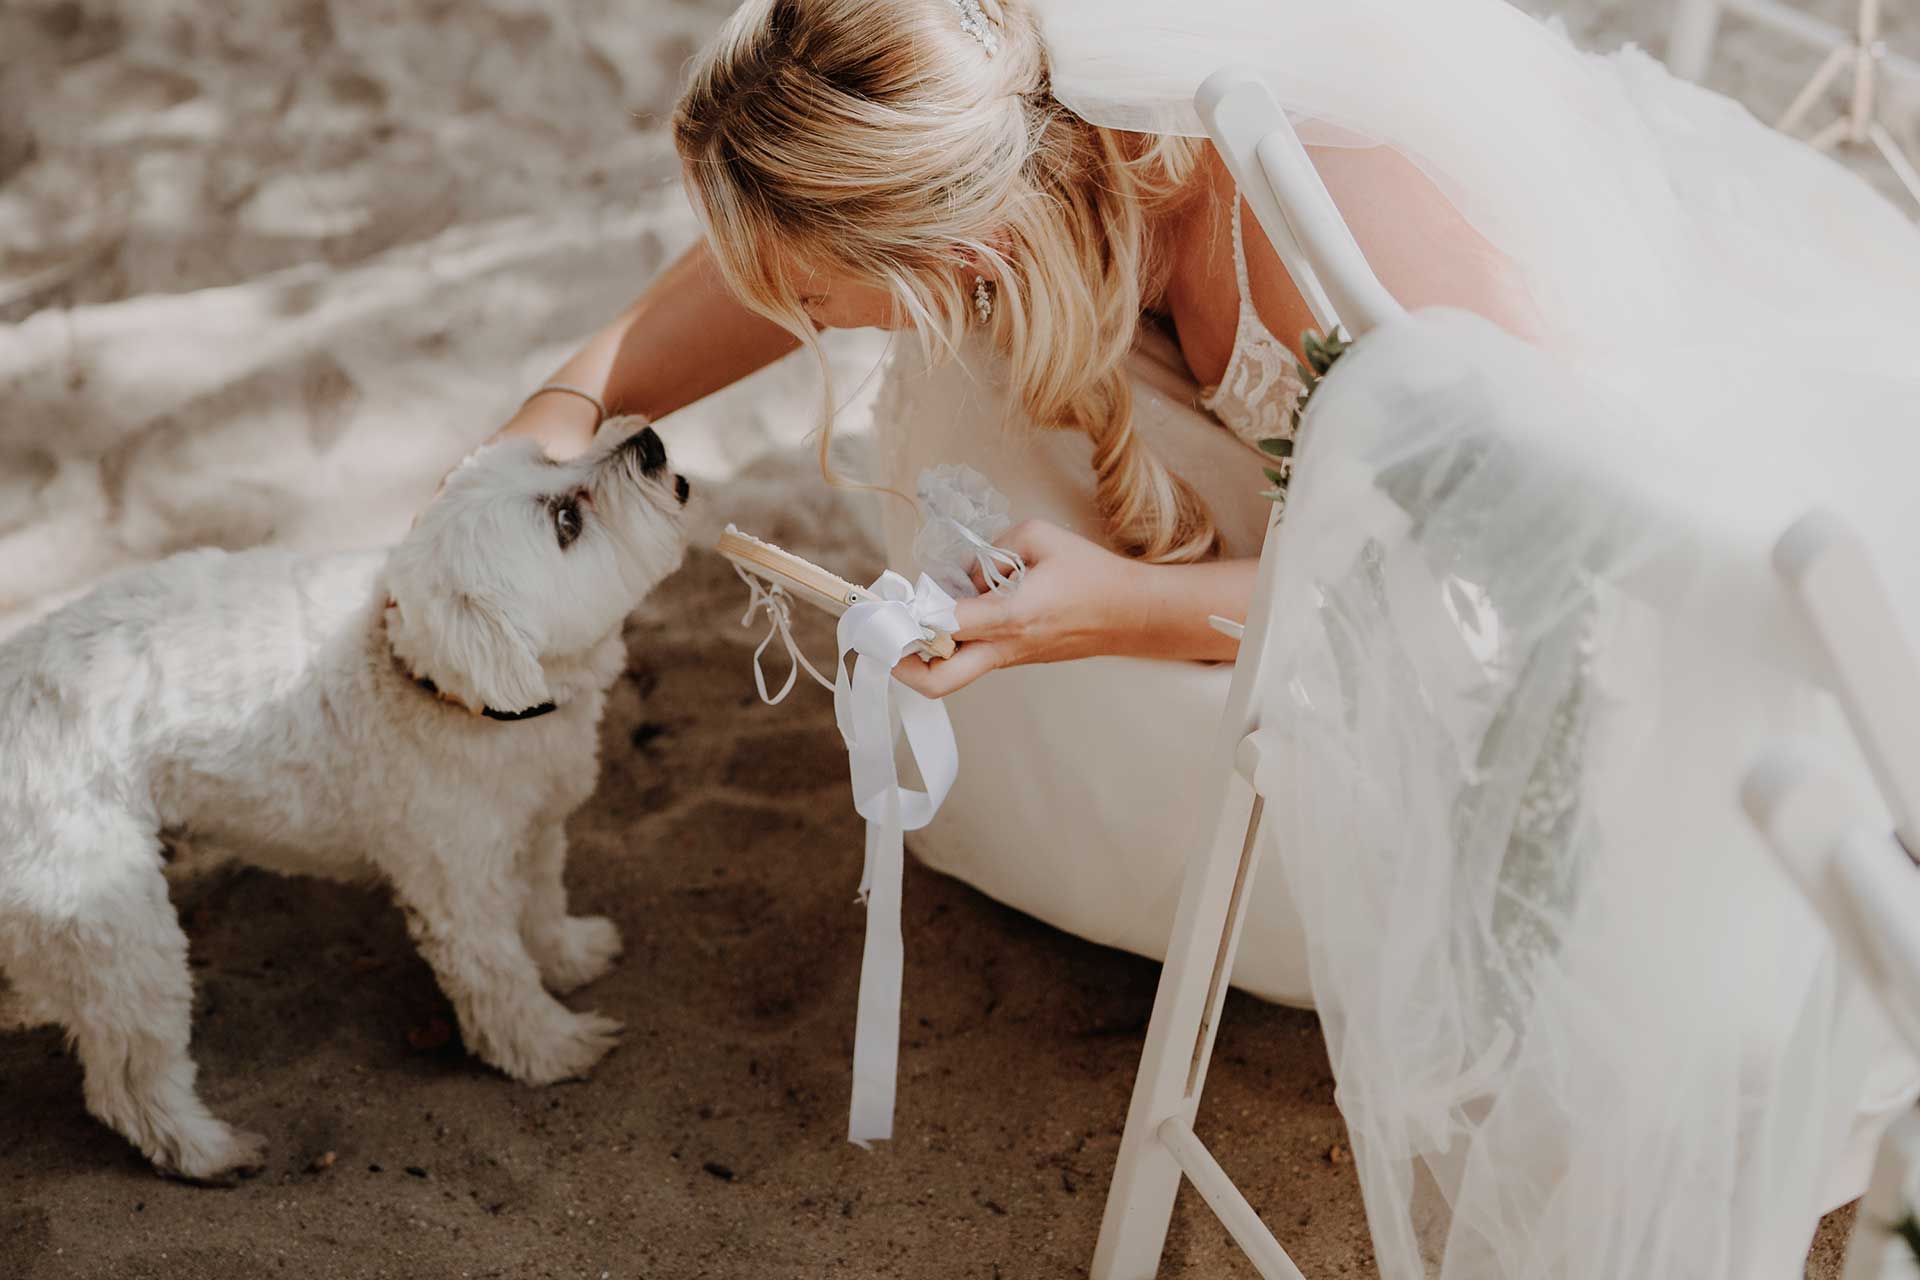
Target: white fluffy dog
<point>426,716</point>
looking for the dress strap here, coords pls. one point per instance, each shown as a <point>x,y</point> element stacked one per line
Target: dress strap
<point>1240,255</point>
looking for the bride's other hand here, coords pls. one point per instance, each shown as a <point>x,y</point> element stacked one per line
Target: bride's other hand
<point>563,424</point>
<point>1071,604</point>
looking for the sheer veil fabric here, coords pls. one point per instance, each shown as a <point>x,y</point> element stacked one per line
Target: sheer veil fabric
<point>1582,1026</point>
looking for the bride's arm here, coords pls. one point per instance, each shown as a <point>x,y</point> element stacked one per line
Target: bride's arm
<point>686,337</point>
<point>1078,600</point>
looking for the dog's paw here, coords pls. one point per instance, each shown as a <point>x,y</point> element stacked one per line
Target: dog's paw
<point>572,1050</point>
<point>217,1156</point>
<point>580,951</point>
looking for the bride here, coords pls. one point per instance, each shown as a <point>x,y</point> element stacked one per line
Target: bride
<point>1104,333</point>
<point>1122,337</point>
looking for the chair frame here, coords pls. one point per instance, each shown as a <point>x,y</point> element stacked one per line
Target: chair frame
<point>1861,878</point>
<point>1159,1146</point>
<point>1861,52</point>
<point>1697,22</point>
<point>1865,882</point>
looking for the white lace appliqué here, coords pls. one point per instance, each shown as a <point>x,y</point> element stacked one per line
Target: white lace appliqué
<point>1260,392</point>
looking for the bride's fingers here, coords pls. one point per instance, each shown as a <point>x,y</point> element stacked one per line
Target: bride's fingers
<point>980,617</point>
<point>1031,540</point>
<point>978,573</point>
<point>938,679</point>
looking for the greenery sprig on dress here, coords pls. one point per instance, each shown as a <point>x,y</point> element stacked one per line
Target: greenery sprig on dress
<point>1321,353</point>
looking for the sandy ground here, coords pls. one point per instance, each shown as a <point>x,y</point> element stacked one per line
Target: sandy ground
<point>712,1142</point>
<point>265,271</point>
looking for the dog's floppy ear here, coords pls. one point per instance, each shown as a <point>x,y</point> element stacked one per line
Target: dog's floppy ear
<point>489,661</point>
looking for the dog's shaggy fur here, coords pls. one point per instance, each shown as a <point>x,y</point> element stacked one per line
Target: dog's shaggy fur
<point>270,708</point>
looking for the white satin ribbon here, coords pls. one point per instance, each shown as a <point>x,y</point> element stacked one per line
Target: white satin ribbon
<point>779,607</point>
<point>990,558</point>
<point>872,708</point>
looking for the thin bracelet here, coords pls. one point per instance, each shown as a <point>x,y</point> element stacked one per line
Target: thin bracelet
<point>571,390</point>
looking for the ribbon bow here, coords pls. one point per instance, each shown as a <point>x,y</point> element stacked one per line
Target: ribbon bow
<point>779,607</point>
<point>872,708</point>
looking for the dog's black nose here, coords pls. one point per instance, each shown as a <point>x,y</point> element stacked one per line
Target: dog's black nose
<point>681,489</point>
<point>653,454</point>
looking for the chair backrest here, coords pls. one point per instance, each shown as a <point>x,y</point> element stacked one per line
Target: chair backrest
<point>1862,881</point>
<point>1158,1148</point>
<point>1872,666</point>
<point>1261,150</point>
<point>1860,878</point>
<point>1294,209</point>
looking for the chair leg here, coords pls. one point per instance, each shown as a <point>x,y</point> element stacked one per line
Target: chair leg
<point>1690,39</point>
<point>1186,1010</point>
<point>1874,1250</point>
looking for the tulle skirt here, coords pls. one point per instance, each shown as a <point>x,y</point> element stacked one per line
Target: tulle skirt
<point>1530,642</point>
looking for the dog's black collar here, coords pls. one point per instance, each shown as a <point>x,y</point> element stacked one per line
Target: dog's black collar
<point>492,713</point>
<point>531,713</point>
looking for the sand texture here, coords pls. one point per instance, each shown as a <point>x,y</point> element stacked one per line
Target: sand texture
<point>266,271</point>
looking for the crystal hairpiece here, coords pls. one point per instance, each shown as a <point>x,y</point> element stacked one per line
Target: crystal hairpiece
<point>973,20</point>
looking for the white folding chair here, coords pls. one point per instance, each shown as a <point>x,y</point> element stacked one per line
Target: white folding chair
<point>1159,1145</point>
<point>1861,52</point>
<point>1696,23</point>
<point>1860,877</point>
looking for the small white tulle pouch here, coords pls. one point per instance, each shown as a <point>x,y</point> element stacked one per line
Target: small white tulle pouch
<point>961,513</point>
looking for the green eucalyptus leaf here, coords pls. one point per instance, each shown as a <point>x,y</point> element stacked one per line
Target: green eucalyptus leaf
<point>1322,351</point>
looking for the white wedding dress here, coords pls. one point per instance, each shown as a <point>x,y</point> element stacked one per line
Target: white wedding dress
<point>1066,805</point>
<point>1582,1025</point>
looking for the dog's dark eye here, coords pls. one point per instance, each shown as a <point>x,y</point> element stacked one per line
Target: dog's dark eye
<point>566,522</point>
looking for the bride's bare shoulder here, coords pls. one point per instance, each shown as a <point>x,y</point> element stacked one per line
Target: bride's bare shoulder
<point>1203,293</point>
<point>1423,249</point>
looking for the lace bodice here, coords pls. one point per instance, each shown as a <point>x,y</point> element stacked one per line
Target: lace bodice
<point>1261,388</point>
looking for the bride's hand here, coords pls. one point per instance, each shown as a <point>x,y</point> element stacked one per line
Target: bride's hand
<point>564,426</point>
<point>1074,596</point>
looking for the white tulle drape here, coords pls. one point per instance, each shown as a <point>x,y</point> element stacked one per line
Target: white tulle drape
<point>1582,1026</point>
<point>1637,209</point>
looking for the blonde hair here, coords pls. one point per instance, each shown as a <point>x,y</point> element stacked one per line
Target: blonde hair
<point>881,140</point>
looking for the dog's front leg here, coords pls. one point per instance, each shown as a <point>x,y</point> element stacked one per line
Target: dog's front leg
<point>570,950</point>
<point>463,909</point>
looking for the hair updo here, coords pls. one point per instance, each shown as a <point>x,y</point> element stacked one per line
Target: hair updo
<point>882,139</point>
